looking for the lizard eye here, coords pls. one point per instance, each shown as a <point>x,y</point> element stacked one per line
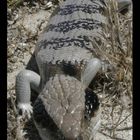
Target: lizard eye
<point>91,103</point>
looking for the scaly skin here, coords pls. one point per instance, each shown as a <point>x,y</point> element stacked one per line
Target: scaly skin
<point>63,100</point>
<point>67,64</point>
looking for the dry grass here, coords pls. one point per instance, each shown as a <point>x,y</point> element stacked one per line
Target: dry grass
<point>13,3</point>
<point>115,81</point>
<point>119,51</point>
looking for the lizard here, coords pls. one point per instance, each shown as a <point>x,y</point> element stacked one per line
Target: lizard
<point>66,107</point>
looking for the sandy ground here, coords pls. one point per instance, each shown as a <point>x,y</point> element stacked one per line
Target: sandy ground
<point>24,26</point>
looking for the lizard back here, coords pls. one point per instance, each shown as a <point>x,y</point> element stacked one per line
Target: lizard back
<point>68,36</point>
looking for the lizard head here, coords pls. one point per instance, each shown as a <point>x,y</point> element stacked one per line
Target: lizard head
<point>70,107</point>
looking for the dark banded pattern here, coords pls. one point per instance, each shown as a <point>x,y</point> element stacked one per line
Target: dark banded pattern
<point>75,24</point>
<point>79,41</point>
<point>69,9</point>
<point>63,52</point>
<point>88,24</point>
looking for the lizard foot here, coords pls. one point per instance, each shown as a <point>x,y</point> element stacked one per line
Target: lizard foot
<point>25,110</point>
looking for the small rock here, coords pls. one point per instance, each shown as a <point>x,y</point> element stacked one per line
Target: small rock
<point>10,22</point>
<point>13,60</point>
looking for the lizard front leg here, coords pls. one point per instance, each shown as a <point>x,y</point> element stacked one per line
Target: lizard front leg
<point>90,71</point>
<point>25,81</point>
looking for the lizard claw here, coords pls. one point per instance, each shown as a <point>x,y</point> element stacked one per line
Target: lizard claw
<point>25,110</point>
<point>49,4</point>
